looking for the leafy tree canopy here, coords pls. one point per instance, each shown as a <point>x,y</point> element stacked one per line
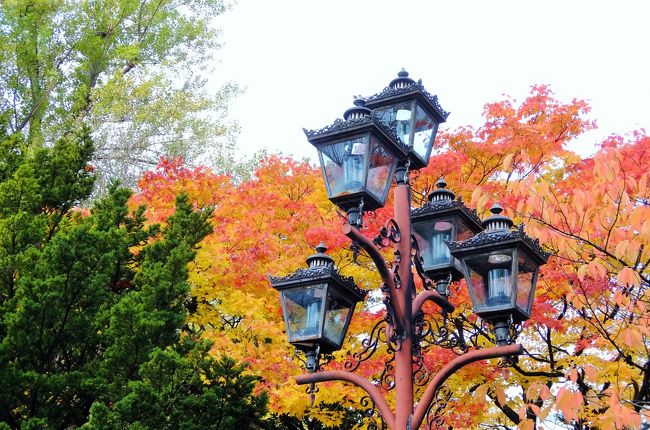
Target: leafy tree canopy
<point>134,72</point>
<point>586,364</point>
<point>94,303</point>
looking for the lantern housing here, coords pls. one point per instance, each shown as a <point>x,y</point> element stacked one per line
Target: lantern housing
<point>442,219</point>
<point>501,267</point>
<point>414,113</point>
<point>317,304</point>
<point>358,156</point>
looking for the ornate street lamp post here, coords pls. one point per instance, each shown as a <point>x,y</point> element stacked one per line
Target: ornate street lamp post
<point>360,155</point>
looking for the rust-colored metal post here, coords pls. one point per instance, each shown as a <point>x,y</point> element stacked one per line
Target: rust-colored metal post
<point>402,305</point>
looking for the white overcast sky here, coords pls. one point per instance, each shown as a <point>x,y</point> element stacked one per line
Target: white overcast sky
<point>302,61</point>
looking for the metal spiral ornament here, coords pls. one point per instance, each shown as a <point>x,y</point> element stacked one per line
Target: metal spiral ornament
<point>298,355</point>
<point>448,333</point>
<point>421,375</point>
<point>388,235</point>
<point>434,418</point>
<point>393,338</point>
<point>387,377</point>
<point>311,390</point>
<point>370,344</point>
<point>395,269</point>
<point>373,418</point>
<point>477,330</point>
<point>325,360</point>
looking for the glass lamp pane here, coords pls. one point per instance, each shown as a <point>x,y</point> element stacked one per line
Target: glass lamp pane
<point>344,166</point>
<point>336,320</point>
<point>425,129</point>
<point>303,310</point>
<point>431,237</point>
<point>477,289</point>
<point>495,288</point>
<point>462,231</point>
<point>525,279</point>
<point>380,170</point>
<point>399,117</point>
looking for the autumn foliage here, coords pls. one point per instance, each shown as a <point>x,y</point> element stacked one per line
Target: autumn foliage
<point>586,364</point>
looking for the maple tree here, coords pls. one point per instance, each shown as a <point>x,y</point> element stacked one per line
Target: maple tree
<point>586,360</point>
<point>262,226</point>
<point>586,364</point>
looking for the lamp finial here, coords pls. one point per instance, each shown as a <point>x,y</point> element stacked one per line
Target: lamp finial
<point>359,110</point>
<point>320,258</point>
<point>496,222</point>
<point>401,81</point>
<point>442,193</point>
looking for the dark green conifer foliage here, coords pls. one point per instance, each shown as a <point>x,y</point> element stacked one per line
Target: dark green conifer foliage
<point>92,307</point>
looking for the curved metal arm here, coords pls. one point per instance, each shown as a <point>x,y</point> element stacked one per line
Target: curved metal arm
<point>454,365</point>
<point>435,297</point>
<point>374,393</point>
<point>374,253</point>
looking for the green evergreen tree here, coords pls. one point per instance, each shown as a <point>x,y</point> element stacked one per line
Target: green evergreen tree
<point>92,306</point>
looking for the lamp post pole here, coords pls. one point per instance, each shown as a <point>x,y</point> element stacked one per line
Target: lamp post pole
<point>403,298</point>
<point>506,261</point>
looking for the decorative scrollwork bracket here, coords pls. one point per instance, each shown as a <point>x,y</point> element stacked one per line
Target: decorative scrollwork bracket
<point>388,235</point>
